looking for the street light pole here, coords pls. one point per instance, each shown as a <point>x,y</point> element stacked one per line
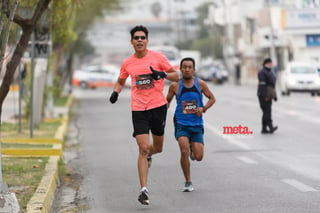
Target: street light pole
<point>272,45</point>
<point>31,123</point>
<point>229,34</point>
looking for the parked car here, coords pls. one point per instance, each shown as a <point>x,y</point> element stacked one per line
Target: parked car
<point>96,75</point>
<point>171,52</point>
<point>300,77</point>
<point>213,72</point>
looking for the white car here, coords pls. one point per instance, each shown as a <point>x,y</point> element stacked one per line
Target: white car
<point>300,77</point>
<point>96,75</point>
<point>171,52</point>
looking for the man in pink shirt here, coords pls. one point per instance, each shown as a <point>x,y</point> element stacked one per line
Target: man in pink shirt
<point>148,103</point>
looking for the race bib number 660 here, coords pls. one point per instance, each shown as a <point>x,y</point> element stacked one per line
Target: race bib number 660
<point>144,81</point>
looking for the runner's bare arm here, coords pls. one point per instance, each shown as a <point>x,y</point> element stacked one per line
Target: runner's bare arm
<point>172,75</point>
<point>171,92</point>
<point>116,90</point>
<point>119,84</point>
<point>207,92</point>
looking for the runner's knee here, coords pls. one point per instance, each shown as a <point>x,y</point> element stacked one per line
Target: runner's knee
<point>144,149</point>
<point>198,156</point>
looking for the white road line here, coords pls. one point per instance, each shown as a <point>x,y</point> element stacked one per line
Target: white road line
<point>247,160</point>
<point>299,185</point>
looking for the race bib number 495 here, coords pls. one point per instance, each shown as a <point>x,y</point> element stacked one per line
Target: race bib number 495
<point>189,107</point>
<point>144,81</point>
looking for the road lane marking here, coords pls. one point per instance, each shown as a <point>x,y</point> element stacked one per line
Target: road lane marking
<point>299,185</point>
<point>247,160</point>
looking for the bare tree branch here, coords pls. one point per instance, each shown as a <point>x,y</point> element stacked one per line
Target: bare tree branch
<point>2,17</point>
<point>27,29</point>
<point>6,32</point>
<point>21,21</point>
<point>41,7</point>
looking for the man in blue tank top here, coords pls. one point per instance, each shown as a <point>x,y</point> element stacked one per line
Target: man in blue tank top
<point>188,116</point>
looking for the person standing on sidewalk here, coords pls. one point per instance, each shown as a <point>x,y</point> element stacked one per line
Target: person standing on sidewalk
<point>188,116</point>
<point>266,92</point>
<point>148,103</point>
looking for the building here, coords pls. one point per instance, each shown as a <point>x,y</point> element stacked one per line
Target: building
<point>282,29</point>
<point>168,21</point>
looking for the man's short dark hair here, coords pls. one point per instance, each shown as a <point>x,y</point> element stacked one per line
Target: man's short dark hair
<point>188,59</point>
<point>266,61</point>
<point>139,28</point>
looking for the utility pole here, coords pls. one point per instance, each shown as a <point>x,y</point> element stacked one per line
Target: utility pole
<point>272,45</point>
<point>31,123</point>
<point>229,34</point>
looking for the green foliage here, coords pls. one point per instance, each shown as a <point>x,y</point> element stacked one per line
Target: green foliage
<point>203,12</point>
<point>209,38</point>
<point>63,22</point>
<point>210,46</point>
<point>89,10</point>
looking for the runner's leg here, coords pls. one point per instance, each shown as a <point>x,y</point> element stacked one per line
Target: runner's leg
<point>184,159</point>
<point>198,150</point>
<point>157,145</point>
<point>143,143</point>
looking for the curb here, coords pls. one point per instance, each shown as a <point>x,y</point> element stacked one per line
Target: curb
<point>42,199</point>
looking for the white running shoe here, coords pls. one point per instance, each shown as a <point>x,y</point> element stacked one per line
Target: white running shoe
<point>188,187</point>
<point>144,196</point>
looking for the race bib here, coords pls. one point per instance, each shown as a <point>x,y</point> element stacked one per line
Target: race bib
<point>189,107</point>
<point>144,81</point>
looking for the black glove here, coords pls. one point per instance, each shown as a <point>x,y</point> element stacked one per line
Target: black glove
<point>275,98</point>
<point>156,75</point>
<point>114,97</point>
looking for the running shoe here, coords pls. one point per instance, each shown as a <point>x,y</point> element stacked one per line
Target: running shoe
<point>188,187</point>
<point>191,153</point>
<point>144,196</point>
<point>149,158</point>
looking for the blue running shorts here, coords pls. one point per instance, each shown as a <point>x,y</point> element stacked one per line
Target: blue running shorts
<point>194,133</point>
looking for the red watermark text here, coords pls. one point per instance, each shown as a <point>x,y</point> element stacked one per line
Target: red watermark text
<point>235,130</point>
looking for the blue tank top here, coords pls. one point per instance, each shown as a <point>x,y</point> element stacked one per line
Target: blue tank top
<point>188,99</point>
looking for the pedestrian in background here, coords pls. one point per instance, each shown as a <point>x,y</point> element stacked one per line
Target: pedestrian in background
<point>266,93</point>
<point>238,73</point>
<point>148,103</point>
<point>188,116</point>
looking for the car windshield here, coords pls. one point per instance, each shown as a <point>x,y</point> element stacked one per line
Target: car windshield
<point>302,70</point>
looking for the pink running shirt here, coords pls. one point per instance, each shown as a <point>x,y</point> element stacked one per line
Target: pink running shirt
<point>146,93</point>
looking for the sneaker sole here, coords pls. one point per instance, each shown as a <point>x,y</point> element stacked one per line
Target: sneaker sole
<point>187,190</point>
<point>143,199</point>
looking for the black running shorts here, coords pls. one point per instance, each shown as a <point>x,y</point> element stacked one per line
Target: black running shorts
<point>152,119</point>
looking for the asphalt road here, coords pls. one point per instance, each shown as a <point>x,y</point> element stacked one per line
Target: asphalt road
<point>239,173</point>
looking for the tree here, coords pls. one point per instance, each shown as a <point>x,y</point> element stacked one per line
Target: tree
<point>208,40</point>
<point>80,47</point>
<point>68,21</point>
<point>27,25</point>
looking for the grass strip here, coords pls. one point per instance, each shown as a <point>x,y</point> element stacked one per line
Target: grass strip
<point>22,175</point>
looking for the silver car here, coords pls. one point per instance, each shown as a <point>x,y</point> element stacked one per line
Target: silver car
<point>300,77</point>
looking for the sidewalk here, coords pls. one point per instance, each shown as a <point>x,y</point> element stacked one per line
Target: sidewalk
<point>10,107</point>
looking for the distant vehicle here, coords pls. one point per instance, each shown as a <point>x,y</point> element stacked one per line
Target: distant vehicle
<point>300,77</point>
<point>96,75</point>
<point>213,72</point>
<point>171,52</point>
